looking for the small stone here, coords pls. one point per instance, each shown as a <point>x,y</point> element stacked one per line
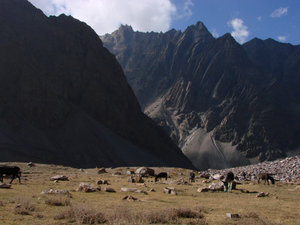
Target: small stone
<point>232,215</point>
<point>261,194</point>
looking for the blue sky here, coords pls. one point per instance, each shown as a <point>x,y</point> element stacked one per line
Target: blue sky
<point>244,19</point>
<point>256,16</point>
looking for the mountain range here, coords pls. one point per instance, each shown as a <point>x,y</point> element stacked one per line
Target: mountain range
<point>64,98</point>
<point>224,104</point>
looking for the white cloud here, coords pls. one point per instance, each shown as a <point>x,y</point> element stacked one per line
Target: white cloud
<point>259,18</point>
<point>215,33</point>
<point>282,38</point>
<point>240,31</point>
<point>105,16</point>
<point>279,12</point>
<point>185,11</point>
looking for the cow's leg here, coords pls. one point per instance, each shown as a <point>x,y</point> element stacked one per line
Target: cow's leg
<point>13,177</point>
<point>19,178</point>
<point>229,186</point>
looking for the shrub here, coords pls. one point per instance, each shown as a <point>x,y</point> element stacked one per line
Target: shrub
<point>58,201</point>
<point>82,215</point>
<point>24,206</point>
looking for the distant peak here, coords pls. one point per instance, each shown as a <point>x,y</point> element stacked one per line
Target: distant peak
<point>126,28</point>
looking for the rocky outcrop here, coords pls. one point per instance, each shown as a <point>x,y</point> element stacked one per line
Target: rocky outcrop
<point>64,98</point>
<point>220,103</point>
<point>283,170</point>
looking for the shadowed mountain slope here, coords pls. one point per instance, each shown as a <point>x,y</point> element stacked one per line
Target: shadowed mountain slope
<point>223,104</point>
<point>64,98</point>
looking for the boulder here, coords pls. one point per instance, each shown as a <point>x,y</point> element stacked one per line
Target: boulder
<point>170,190</point>
<point>60,177</point>
<point>85,187</point>
<point>107,189</point>
<point>145,171</point>
<point>216,187</point>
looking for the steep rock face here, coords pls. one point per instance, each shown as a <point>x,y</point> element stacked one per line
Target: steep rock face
<point>222,105</point>
<point>64,98</point>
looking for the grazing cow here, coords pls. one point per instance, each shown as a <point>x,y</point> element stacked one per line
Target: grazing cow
<point>192,177</point>
<point>12,171</point>
<point>266,177</point>
<point>228,181</point>
<point>161,175</point>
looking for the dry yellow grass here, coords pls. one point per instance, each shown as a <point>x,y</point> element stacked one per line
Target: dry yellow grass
<point>281,207</point>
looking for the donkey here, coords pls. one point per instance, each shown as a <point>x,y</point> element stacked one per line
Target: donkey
<point>266,177</point>
<point>161,175</point>
<point>228,182</point>
<point>12,171</point>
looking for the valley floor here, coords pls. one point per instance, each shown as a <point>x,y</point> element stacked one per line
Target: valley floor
<point>24,204</point>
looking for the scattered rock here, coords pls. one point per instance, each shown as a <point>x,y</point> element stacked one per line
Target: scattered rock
<point>85,187</point>
<point>124,189</point>
<point>284,170</point>
<point>179,182</point>
<point>117,173</point>
<point>152,190</point>
<point>101,170</point>
<point>130,198</point>
<point>170,190</point>
<point>232,215</point>
<point>30,164</point>
<point>53,191</point>
<point>4,185</point>
<point>107,189</point>
<point>81,170</point>
<point>217,177</point>
<point>262,194</point>
<point>60,177</point>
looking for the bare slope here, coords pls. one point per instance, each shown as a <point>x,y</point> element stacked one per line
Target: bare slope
<point>64,98</point>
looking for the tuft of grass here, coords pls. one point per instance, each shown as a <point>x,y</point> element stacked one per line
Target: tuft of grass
<point>82,215</point>
<point>58,201</point>
<point>24,206</point>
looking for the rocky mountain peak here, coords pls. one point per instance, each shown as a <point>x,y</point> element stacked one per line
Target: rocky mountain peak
<point>219,100</point>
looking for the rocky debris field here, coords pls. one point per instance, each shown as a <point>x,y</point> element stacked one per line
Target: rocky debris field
<point>283,170</point>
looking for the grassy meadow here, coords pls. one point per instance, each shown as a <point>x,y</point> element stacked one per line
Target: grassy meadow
<point>24,204</point>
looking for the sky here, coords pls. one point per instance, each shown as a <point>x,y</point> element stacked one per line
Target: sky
<point>244,19</point>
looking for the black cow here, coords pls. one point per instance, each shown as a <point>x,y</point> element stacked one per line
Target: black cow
<point>266,177</point>
<point>228,181</point>
<point>161,175</point>
<point>12,171</point>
